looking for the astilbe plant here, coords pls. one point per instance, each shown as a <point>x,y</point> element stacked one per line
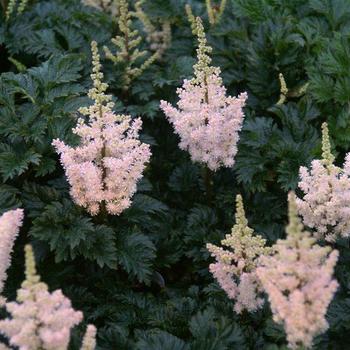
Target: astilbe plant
<point>191,18</point>
<point>10,223</point>
<point>110,6</point>
<point>11,7</point>
<point>235,267</point>
<point>104,169</point>
<point>207,120</point>
<point>298,280</point>
<point>127,47</point>
<point>159,39</point>
<point>39,319</point>
<point>215,12</point>
<point>325,205</point>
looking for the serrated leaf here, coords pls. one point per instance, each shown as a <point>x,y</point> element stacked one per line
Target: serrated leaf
<point>9,198</point>
<point>70,234</point>
<point>14,161</point>
<point>136,253</point>
<point>161,340</point>
<point>215,333</point>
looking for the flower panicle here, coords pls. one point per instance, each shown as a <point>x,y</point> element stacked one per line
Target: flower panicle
<point>327,156</point>
<point>203,69</point>
<point>104,169</point>
<point>102,101</point>
<point>89,341</point>
<point>325,204</point>
<point>298,278</point>
<point>39,319</point>
<point>158,39</point>
<point>127,46</point>
<point>207,120</point>
<point>10,223</point>
<point>191,18</point>
<point>215,13</point>
<point>235,266</point>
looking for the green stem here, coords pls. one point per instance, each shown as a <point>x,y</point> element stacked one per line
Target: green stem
<point>101,218</point>
<point>3,4</point>
<point>208,183</point>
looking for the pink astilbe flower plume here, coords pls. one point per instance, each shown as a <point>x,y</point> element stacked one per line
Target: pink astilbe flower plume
<point>325,206</point>
<point>40,319</point>
<point>298,280</point>
<point>10,223</point>
<point>104,169</point>
<point>235,268</point>
<point>207,120</point>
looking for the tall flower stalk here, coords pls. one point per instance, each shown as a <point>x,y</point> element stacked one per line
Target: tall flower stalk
<point>127,50</point>
<point>104,169</point>
<point>298,278</point>
<point>10,223</point>
<point>215,12</point>
<point>325,206</point>
<point>109,6</point>
<point>89,341</point>
<point>207,121</point>
<point>39,319</point>
<point>235,266</point>
<point>158,39</point>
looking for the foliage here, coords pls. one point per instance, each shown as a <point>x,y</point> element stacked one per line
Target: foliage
<point>142,277</point>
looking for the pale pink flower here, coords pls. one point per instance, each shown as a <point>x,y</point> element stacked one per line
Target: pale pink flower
<point>10,223</point>
<point>298,281</point>
<point>325,206</point>
<point>105,168</point>
<point>207,121</point>
<point>208,129</point>
<point>235,267</point>
<point>39,319</point>
<point>89,341</point>
<point>107,165</point>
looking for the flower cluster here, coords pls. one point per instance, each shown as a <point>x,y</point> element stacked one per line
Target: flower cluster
<point>159,39</point>
<point>127,47</point>
<point>40,319</point>
<point>325,206</point>
<point>235,268</point>
<point>215,12</point>
<point>89,341</point>
<point>191,18</point>
<point>10,222</point>
<point>110,6</point>
<point>11,6</point>
<point>207,120</point>
<point>283,90</point>
<point>104,169</point>
<point>298,281</point>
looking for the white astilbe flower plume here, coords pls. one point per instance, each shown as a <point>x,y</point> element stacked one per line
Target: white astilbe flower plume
<point>10,223</point>
<point>298,280</point>
<point>235,267</point>
<point>39,319</point>
<point>207,120</point>
<point>104,169</point>
<point>89,341</point>
<point>325,206</point>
